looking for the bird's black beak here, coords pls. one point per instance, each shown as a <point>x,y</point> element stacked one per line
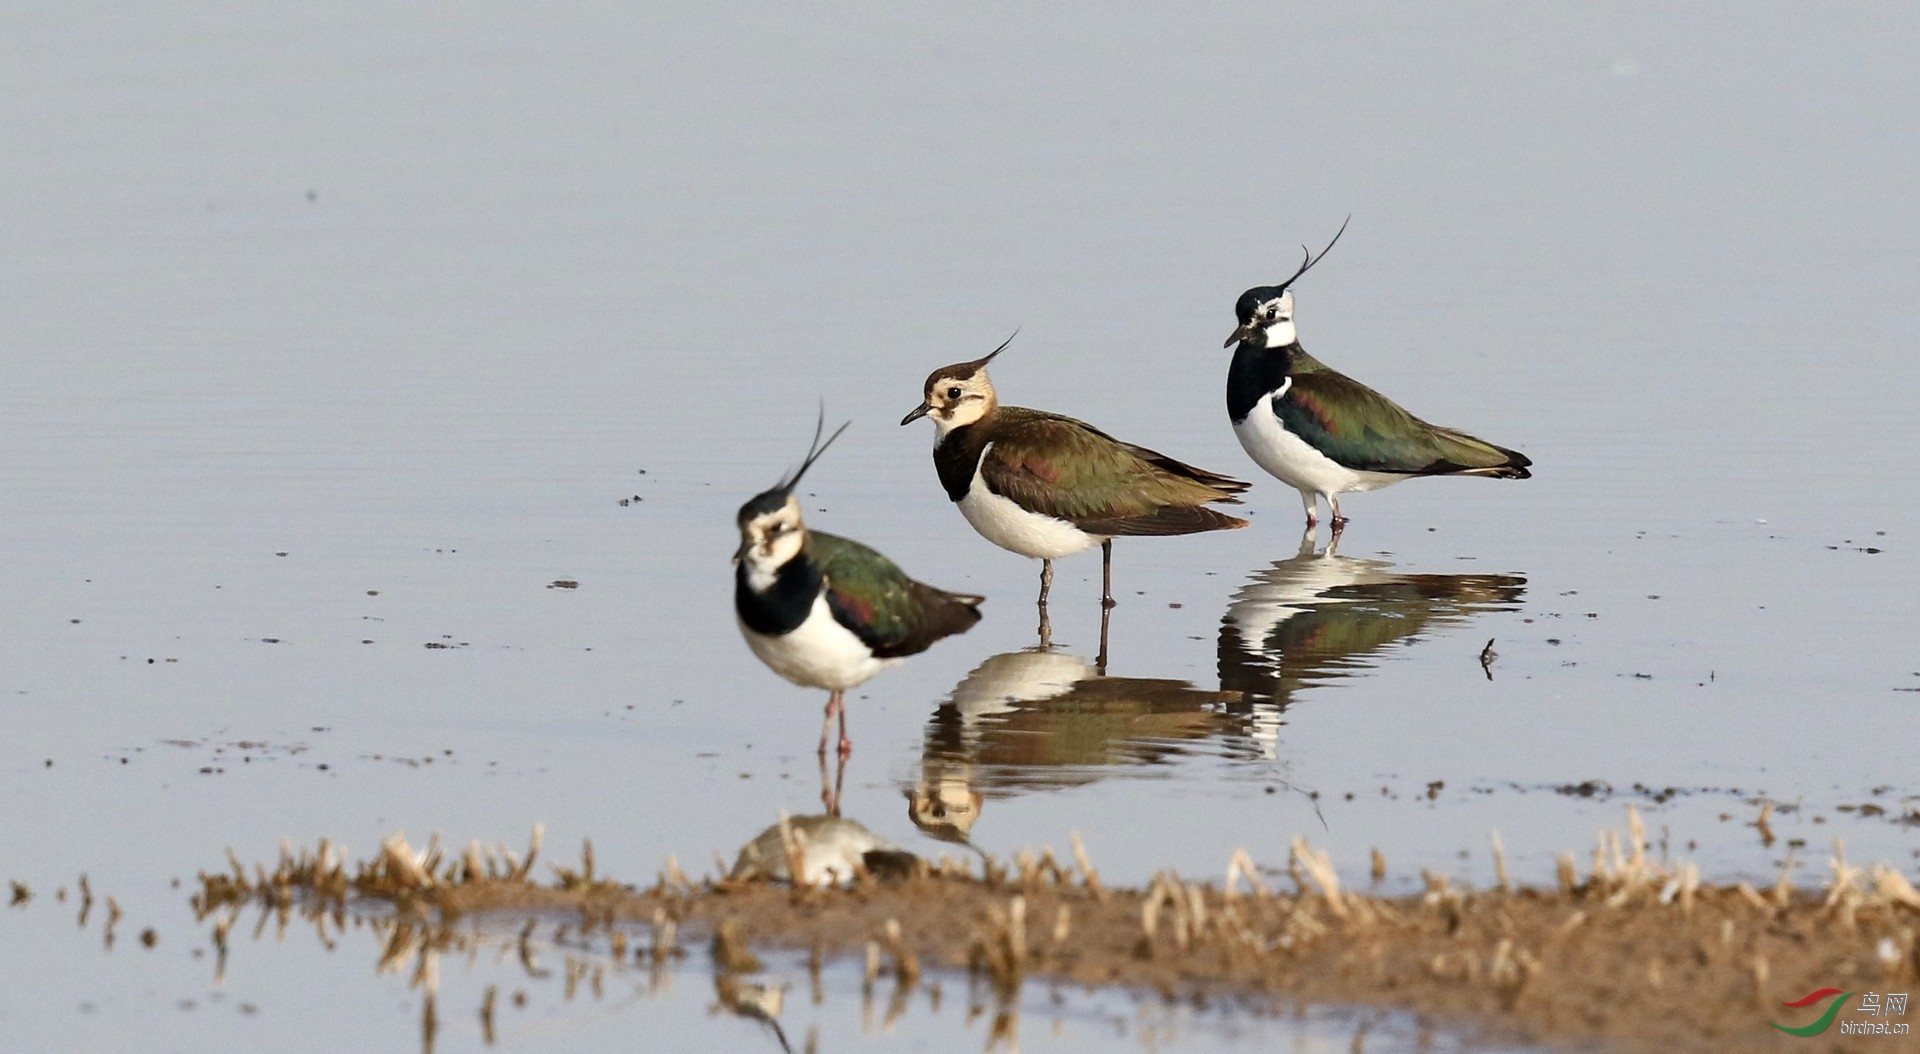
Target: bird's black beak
<point>920,411</point>
<point>1245,332</point>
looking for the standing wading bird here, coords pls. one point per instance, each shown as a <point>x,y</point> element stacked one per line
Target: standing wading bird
<point>1046,486</point>
<point>825,611</point>
<point>1324,433</point>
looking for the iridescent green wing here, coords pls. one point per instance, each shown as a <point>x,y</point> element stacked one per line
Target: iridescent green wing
<point>891,614</point>
<point>1362,429</point>
<point>1067,469</point>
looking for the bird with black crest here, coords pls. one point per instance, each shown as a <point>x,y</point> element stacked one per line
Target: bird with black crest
<point>1045,485</point>
<point>1324,433</point>
<point>827,612</point>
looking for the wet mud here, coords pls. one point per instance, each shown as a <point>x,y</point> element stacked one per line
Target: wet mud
<point>1623,953</point>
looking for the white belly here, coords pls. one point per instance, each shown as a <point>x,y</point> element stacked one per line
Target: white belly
<point>1294,461</point>
<point>1011,527</point>
<point>821,653</point>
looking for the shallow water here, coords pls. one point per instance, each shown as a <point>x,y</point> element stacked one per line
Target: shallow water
<point>337,340</point>
<point>553,986</point>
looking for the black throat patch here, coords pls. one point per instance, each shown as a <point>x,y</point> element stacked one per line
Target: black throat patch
<point>956,457</point>
<point>783,606</point>
<point>1254,373</point>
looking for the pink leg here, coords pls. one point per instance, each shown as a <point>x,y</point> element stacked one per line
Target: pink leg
<point>834,709</point>
<point>830,791</point>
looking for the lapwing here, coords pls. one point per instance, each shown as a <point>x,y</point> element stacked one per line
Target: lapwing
<point>1324,433</point>
<point>827,612</point>
<point>1048,486</point>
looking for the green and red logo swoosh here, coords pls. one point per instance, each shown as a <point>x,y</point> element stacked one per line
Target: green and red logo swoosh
<point>1825,1020</point>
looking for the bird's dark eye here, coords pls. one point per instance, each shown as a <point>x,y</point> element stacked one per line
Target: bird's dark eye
<point>953,392</point>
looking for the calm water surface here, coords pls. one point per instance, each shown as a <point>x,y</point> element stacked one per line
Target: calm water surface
<point>380,385</point>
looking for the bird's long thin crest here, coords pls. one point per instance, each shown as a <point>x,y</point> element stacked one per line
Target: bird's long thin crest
<point>978,363</point>
<point>1312,259</point>
<point>814,450</point>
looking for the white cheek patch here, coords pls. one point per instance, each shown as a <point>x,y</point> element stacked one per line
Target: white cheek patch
<point>1280,332</point>
<point>761,573</point>
<point>763,569</point>
<point>960,414</point>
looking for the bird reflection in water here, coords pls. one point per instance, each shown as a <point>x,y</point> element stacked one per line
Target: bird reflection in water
<point>753,1000</point>
<point>1319,616</point>
<point>1038,718</point>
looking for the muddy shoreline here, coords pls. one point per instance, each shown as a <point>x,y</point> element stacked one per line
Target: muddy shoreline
<point>1629,955</point>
